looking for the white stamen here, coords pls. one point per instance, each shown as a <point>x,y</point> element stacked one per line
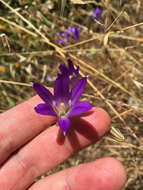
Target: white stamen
<point>64,133</point>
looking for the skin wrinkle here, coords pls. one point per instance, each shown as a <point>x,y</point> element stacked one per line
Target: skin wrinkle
<point>67,175</point>
<point>23,166</point>
<point>6,144</point>
<point>24,158</point>
<point>71,177</point>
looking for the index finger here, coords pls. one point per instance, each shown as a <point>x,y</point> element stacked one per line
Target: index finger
<point>19,125</point>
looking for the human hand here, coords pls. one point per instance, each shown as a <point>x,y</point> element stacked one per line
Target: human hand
<point>27,150</point>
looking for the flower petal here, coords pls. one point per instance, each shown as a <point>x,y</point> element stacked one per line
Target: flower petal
<point>76,71</point>
<point>43,92</point>
<point>78,89</point>
<point>64,70</point>
<point>97,14</point>
<point>79,108</point>
<point>78,30</point>
<point>66,35</point>
<point>61,89</point>
<point>70,65</point>
<point>45,109</point>
<point>61,42</point>
<point>64,123</point>
<point>60,34</point>
<point>75,32</point>
<point>72,70</point>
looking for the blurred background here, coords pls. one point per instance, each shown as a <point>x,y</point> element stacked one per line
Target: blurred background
<point>109,51</point>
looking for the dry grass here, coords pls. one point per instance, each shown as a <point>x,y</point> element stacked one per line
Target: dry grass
<point>112,59</point>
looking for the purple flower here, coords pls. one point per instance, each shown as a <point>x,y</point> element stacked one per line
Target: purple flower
<point>70,72</point>
<point>64,103</point>
<point>71,31</point>
<point>97,14</point>
<point>75,32</point>
<point>64,39</point>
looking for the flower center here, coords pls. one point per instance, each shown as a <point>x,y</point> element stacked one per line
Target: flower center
<point>61,109</point>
